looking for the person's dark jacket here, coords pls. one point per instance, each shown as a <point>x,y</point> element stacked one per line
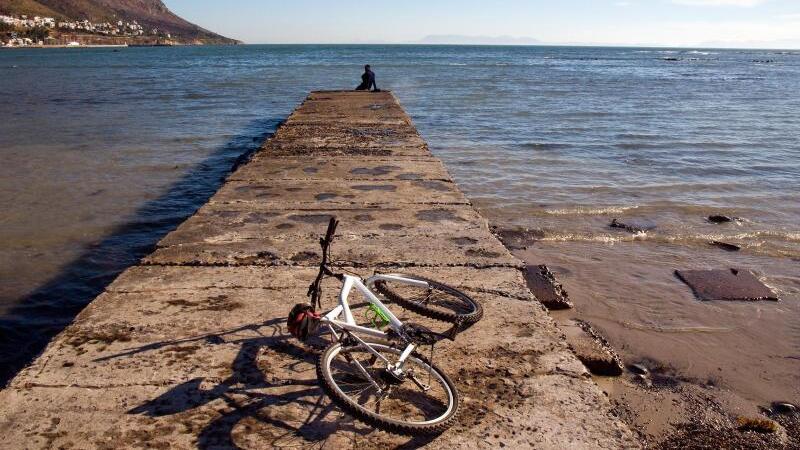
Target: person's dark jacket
<point>367,81</point>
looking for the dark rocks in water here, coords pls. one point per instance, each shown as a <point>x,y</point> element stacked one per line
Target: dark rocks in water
<point>785,408</point>
<point>546,289</point>
<point>727,284</point>
<point>633,225</point>
<point>518,239</point>
<point>720,219</point>
<point>725,246</point>
<point>639,369</point>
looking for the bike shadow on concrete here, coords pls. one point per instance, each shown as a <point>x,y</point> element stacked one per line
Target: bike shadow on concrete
<point>254,409</point>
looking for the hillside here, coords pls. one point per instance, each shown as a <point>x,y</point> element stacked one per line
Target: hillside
<point>149,13</point>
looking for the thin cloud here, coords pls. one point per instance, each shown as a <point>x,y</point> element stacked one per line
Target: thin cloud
<point>740,3</point>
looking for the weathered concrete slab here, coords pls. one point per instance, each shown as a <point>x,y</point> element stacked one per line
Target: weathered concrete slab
<point>340,192</point>
<point>178,278</point>
<point>284,149</point>
<point>502,282</point>
<point>166,335</point>
<point>336,136</point>
<point>354,168</point>
<point>466,248</point>
<point>216,223</point>
<point>178,355</point>
<point>241,365</point>
<point>356,108</point>
<point>729,284</point>
<point>546,289</point>
<point>592,349</point>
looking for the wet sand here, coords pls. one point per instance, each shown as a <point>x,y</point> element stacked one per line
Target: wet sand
<point>709,362</point>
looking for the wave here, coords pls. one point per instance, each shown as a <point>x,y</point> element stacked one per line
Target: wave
<point>588,210</point>
<point>765,242</point>
<point>544,145</point>
<point>761,234</point>
<point>599,238</point>
<point>704,145</point>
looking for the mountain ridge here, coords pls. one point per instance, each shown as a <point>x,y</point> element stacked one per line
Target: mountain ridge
<point>149,13</point>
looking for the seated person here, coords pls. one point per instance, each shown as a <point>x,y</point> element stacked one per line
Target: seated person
<point>368,81</point>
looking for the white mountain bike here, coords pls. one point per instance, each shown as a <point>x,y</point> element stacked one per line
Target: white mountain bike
<point>377,376</point>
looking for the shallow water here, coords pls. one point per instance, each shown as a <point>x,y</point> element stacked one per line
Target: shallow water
<point>105,151</point>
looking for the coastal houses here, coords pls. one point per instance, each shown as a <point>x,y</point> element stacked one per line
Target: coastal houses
<point>21,31</point>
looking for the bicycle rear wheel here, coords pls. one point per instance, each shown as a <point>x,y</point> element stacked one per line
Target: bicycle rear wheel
<point>423,401</point>
<point>435,300</point>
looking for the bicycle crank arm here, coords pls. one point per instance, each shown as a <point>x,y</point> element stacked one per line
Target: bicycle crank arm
<point>424,387</point>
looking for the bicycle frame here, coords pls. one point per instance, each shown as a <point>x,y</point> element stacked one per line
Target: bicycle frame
<point>341,317</point>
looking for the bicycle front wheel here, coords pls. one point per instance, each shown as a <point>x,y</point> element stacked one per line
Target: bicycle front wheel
<point>422,401</point>
<point>435,300</point>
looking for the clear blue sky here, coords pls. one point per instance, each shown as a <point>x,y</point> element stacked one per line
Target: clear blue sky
<point>662,22</point>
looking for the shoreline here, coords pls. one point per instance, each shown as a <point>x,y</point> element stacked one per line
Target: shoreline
<point>69,46</point>
<point>667,403</point>
<point>96,46</point>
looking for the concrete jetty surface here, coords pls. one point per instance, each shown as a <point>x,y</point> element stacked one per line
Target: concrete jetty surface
<point>189,348</point>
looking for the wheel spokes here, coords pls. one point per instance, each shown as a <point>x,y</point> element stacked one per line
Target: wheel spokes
<point>406,400</point>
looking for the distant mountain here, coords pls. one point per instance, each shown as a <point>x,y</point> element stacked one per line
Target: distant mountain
<point>149,13</point>
<point>455,39</point>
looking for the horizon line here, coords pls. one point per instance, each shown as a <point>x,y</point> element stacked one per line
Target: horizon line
<point>543,44</point>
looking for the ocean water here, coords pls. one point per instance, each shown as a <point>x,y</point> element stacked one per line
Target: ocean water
<point>103,151</point>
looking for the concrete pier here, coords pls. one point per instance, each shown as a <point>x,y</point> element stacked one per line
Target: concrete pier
<point>189,349</point>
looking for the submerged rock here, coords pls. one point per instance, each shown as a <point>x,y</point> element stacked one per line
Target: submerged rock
<point>785,408</point>
<point>725,246</point>
<point>720,219</point>
<point>633,225</point>
<point>639,369</point>
<point>727,284</point>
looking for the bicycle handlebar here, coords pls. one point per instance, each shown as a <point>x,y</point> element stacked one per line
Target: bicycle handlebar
<point>325,242</point>
<point>315,290</point>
